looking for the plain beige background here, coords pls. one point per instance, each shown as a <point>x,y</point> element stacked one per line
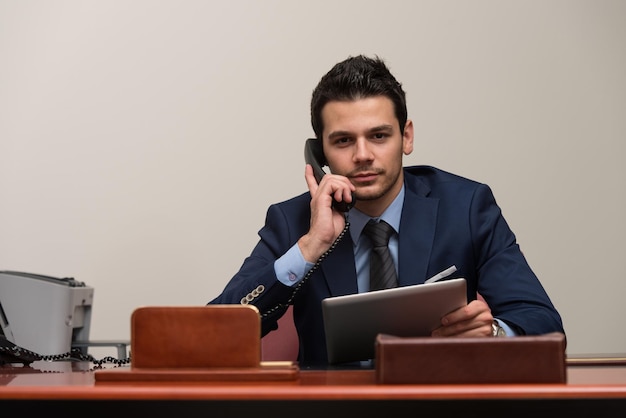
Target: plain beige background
<point>142,141</point>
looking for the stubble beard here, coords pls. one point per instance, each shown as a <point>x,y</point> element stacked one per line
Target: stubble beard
<point>385,187</point>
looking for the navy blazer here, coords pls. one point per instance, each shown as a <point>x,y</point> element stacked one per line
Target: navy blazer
<point>446,220</point>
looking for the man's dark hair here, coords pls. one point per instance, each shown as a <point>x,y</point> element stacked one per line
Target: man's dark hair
<point>355,78</point>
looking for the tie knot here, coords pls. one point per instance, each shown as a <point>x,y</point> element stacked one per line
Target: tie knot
<point>378,232</point>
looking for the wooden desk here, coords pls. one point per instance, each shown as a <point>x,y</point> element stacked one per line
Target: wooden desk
<point>70,389</point>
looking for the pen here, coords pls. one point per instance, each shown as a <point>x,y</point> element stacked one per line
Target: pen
<point>442,274</point>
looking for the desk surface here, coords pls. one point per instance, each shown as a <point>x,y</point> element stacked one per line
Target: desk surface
<point>76,381</point>
<point>43,387</point>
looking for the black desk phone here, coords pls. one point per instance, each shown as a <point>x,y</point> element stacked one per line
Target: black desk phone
<point>24,320</point>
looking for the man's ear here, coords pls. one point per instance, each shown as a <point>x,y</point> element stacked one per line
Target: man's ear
<point>407,137</point>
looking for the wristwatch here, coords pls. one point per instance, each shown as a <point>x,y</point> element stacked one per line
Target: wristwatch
<point>497,330</point>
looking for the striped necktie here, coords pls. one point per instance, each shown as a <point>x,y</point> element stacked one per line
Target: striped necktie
<point>382,269</point>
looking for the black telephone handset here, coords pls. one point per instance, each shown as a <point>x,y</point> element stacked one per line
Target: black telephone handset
<point>314,155</point>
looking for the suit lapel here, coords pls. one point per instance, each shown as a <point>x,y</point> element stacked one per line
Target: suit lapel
<point>417,223</point>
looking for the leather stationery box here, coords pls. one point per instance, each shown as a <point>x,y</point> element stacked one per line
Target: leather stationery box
<point>197,344</point>
<point>195,336</point>
<point>428,360</point>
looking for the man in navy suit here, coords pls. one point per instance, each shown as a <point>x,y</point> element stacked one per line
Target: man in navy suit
<point>358,113</point>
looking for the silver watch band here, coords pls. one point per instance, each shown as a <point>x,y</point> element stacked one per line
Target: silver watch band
<point>497,330</point>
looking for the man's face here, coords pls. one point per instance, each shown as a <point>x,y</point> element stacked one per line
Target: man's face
<point>362,141</point>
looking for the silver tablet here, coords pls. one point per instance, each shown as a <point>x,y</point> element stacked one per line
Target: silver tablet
<point>352,322</point>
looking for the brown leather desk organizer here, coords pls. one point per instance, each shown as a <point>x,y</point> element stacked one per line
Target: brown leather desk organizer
<point>430,360</point>
<point>197,343</point>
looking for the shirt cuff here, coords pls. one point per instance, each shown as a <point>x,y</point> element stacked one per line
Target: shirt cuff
<point>291,267</point>
<point>507,329</point>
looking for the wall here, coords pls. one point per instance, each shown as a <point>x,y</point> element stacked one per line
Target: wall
<point>141,141</point>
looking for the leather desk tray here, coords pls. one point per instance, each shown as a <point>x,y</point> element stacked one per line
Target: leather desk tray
<point>430,360</point>
<point>197,343</point>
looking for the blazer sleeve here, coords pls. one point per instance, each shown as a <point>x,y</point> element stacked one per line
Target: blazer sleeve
<point>505,279</point>
<point>256,279</point>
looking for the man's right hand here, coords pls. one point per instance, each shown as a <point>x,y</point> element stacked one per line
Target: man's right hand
<point>326,223</point>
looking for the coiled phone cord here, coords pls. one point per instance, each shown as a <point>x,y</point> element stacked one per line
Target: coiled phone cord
<point>22,355</point>
<point>309,273</point>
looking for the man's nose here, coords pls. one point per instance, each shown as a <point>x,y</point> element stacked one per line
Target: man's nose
<point>362,151</point>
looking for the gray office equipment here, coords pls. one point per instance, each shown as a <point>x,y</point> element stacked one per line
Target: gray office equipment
<point>44,314</point>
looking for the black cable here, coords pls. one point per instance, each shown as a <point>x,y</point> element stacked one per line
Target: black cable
<point>17,354</point>
<point>308,274</point>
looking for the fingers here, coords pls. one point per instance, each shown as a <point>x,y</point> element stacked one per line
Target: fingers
<point>326,224</point>
<point>335,187</point>
<point>310,179</point>
<point>471,310</point>
<point>472,320</point>
<point>464,330</point>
